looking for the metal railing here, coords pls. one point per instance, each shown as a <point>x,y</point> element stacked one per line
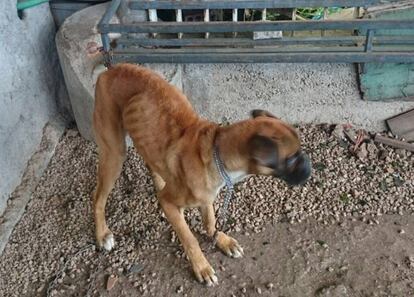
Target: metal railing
<point>229,42</point>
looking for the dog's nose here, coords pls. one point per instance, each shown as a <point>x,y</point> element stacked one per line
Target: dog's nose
<point>301,173</point>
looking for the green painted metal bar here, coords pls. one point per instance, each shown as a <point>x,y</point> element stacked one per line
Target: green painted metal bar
<point>345,57</point>
<point>221,42</point>
<point>368,42</point>
<point>265,50</point>
<point>106,42</point>
<point>216,27</point>
<point>109,13</point>
<point>252,4</point>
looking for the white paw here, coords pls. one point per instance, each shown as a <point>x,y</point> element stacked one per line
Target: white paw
<point>213,280</point>
<point>238,252</point>
<point>207,275</point>
<point>109,242</point>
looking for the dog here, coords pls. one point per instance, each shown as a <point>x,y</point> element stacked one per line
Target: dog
<point>178,147</point>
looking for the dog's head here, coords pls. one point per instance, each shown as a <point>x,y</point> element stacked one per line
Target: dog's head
<point>274,149</point>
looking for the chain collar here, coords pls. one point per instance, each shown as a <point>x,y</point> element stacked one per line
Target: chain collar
<point>222,171</point>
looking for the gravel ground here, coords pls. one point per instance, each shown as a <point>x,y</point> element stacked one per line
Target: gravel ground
<point>348,232</point>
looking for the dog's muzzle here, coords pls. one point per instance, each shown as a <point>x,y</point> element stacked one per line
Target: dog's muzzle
<point>297,169</point>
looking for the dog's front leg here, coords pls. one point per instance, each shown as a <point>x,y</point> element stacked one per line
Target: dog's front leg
<point>227,244</point>
<point>202,269</point>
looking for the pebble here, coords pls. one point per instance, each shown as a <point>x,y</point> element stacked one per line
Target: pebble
<point>259,291</point>
<point>270,286</point>
<point>135,268</point>
<point>112,280</point>
<point>40,289</point>
<point>180,289</point>
<point>401,231</point>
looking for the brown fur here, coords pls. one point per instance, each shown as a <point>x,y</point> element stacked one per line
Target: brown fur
<point>177,145</point>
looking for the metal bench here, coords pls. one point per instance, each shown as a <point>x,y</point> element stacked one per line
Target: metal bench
<point>231,41</point>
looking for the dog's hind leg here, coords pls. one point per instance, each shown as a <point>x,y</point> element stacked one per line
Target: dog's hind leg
<point>110,138</point>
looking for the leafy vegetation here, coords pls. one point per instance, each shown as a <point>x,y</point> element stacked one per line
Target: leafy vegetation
<point>315,13</point>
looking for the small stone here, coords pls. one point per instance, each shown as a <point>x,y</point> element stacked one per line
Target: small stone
<point>410,261</point>
<point>135,268</point>
<point>401,231</point>
<point>270,286</point>
<point>180,289</point>
<point>243,290</point>
<point>338,132</point>
<point>400,152</point>
<point>112,279</point>
<point>259,291</point>
<point>343,268</point>
<point>330,269</point>
<point>362,151</point>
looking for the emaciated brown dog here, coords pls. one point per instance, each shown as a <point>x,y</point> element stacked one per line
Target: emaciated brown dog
<point>177,145</point>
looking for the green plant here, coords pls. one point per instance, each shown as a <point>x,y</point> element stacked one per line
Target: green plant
<point>315,13</point>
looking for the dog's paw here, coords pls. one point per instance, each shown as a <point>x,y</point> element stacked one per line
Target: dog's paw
<point>229,245</point>
<point>205,273</point>
<point>107,242</point>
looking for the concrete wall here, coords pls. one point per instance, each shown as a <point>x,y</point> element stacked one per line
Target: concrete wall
<point>30,84</point>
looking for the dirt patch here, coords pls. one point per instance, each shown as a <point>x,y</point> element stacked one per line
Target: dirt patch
<point>348,232</point>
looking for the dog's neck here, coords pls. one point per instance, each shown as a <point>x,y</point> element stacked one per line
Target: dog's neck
<point>232,151</point>
<point>226,178</point>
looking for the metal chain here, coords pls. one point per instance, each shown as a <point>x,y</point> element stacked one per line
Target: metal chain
<point>92,276</point>
<point>222,213</point>
<point>107,57</point>
<point>60,272</point>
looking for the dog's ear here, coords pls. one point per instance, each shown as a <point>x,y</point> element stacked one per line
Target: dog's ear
<point>261,113</point>
<point>263,150</point>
